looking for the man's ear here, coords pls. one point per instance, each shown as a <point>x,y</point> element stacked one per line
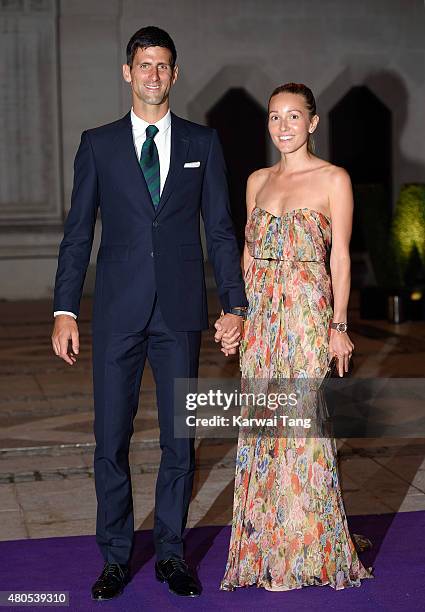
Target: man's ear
<point>126,73</point>
<point>175,73</point>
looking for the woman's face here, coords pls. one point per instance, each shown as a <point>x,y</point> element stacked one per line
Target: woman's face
<point>289,122</point>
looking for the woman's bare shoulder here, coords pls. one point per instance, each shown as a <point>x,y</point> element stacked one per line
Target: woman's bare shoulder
<point>257,179</point>
<point>336,174</point>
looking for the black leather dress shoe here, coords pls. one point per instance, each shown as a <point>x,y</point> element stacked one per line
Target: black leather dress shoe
<point>177,574</point>
<point>111,582</point>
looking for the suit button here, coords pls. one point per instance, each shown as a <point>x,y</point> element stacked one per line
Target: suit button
<point>151,253</point>
<point>155,223</point>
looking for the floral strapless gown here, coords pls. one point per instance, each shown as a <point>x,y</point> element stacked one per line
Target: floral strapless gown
<point>289,526</point>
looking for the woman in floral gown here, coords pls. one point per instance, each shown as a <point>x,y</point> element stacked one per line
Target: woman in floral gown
<point>289,526</point>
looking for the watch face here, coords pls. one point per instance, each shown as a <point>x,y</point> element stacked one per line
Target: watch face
<point>342,327</point>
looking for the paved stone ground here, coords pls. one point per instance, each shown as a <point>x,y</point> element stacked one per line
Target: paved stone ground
<point>46,440</point>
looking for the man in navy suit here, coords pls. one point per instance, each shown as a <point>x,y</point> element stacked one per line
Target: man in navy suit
<point>151,174</point>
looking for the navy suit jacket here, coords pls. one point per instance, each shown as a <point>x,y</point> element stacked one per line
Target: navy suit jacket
<point>146,251</point>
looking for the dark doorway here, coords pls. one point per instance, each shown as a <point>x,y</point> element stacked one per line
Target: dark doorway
<point>241,124</point>
<point>361,142</point>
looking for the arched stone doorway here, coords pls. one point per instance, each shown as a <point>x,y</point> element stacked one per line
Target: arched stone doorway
<point>241,125</point>
<point>360,140</point>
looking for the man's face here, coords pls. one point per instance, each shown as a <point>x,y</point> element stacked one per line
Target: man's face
<point>151,75</point>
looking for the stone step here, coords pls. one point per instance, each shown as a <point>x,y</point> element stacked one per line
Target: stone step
<point>79,464</point>
<point>76,460</point>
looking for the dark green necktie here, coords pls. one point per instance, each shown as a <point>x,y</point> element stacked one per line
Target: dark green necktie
<point>149,162</point>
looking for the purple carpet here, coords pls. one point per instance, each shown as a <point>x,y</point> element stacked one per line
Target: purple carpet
<point>72,563</point>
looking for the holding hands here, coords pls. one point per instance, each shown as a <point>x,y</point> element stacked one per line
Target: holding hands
<point>229,332</point>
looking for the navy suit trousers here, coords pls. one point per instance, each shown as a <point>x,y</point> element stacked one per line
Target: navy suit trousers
<point>119,360</point>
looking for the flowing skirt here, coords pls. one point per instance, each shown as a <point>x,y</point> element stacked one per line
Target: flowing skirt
<point>289,526</point>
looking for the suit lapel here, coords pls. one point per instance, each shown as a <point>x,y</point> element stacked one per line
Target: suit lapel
<point>126,156</point>
<point>179,148</point>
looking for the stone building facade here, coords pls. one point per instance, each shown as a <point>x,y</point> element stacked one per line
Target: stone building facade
<point>61,73</point>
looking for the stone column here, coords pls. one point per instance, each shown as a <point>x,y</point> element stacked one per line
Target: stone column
<point>31,207</point>
<point>30,191</point>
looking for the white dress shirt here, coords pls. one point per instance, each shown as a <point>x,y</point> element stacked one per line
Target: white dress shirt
<point>163,144</point>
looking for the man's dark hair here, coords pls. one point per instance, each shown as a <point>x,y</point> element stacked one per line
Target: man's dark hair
<point>150,36</point>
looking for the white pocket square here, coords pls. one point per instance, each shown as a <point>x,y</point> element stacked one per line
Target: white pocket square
<point>192,164</point>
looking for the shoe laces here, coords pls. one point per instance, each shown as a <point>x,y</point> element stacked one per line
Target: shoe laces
<point>177,565</point>
<point>111,569</point>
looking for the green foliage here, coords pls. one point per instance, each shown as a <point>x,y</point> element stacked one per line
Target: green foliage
<point>396,246</point>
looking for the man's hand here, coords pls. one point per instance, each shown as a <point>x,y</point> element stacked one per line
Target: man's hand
<point>230,342</point>
<point>229,332</point>
<point>65,330</point>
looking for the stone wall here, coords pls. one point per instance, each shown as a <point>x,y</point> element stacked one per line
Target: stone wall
<point>61,73</point>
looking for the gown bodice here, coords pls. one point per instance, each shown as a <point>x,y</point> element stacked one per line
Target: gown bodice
<point>301,234</point>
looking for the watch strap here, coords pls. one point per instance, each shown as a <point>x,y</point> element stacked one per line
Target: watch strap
<point>341,327</point>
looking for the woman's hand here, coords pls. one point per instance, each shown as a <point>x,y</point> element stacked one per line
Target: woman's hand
<point>230,342</point>
<point>341,347</point>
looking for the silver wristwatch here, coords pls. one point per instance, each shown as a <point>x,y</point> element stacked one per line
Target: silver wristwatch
<point>240,311</point>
